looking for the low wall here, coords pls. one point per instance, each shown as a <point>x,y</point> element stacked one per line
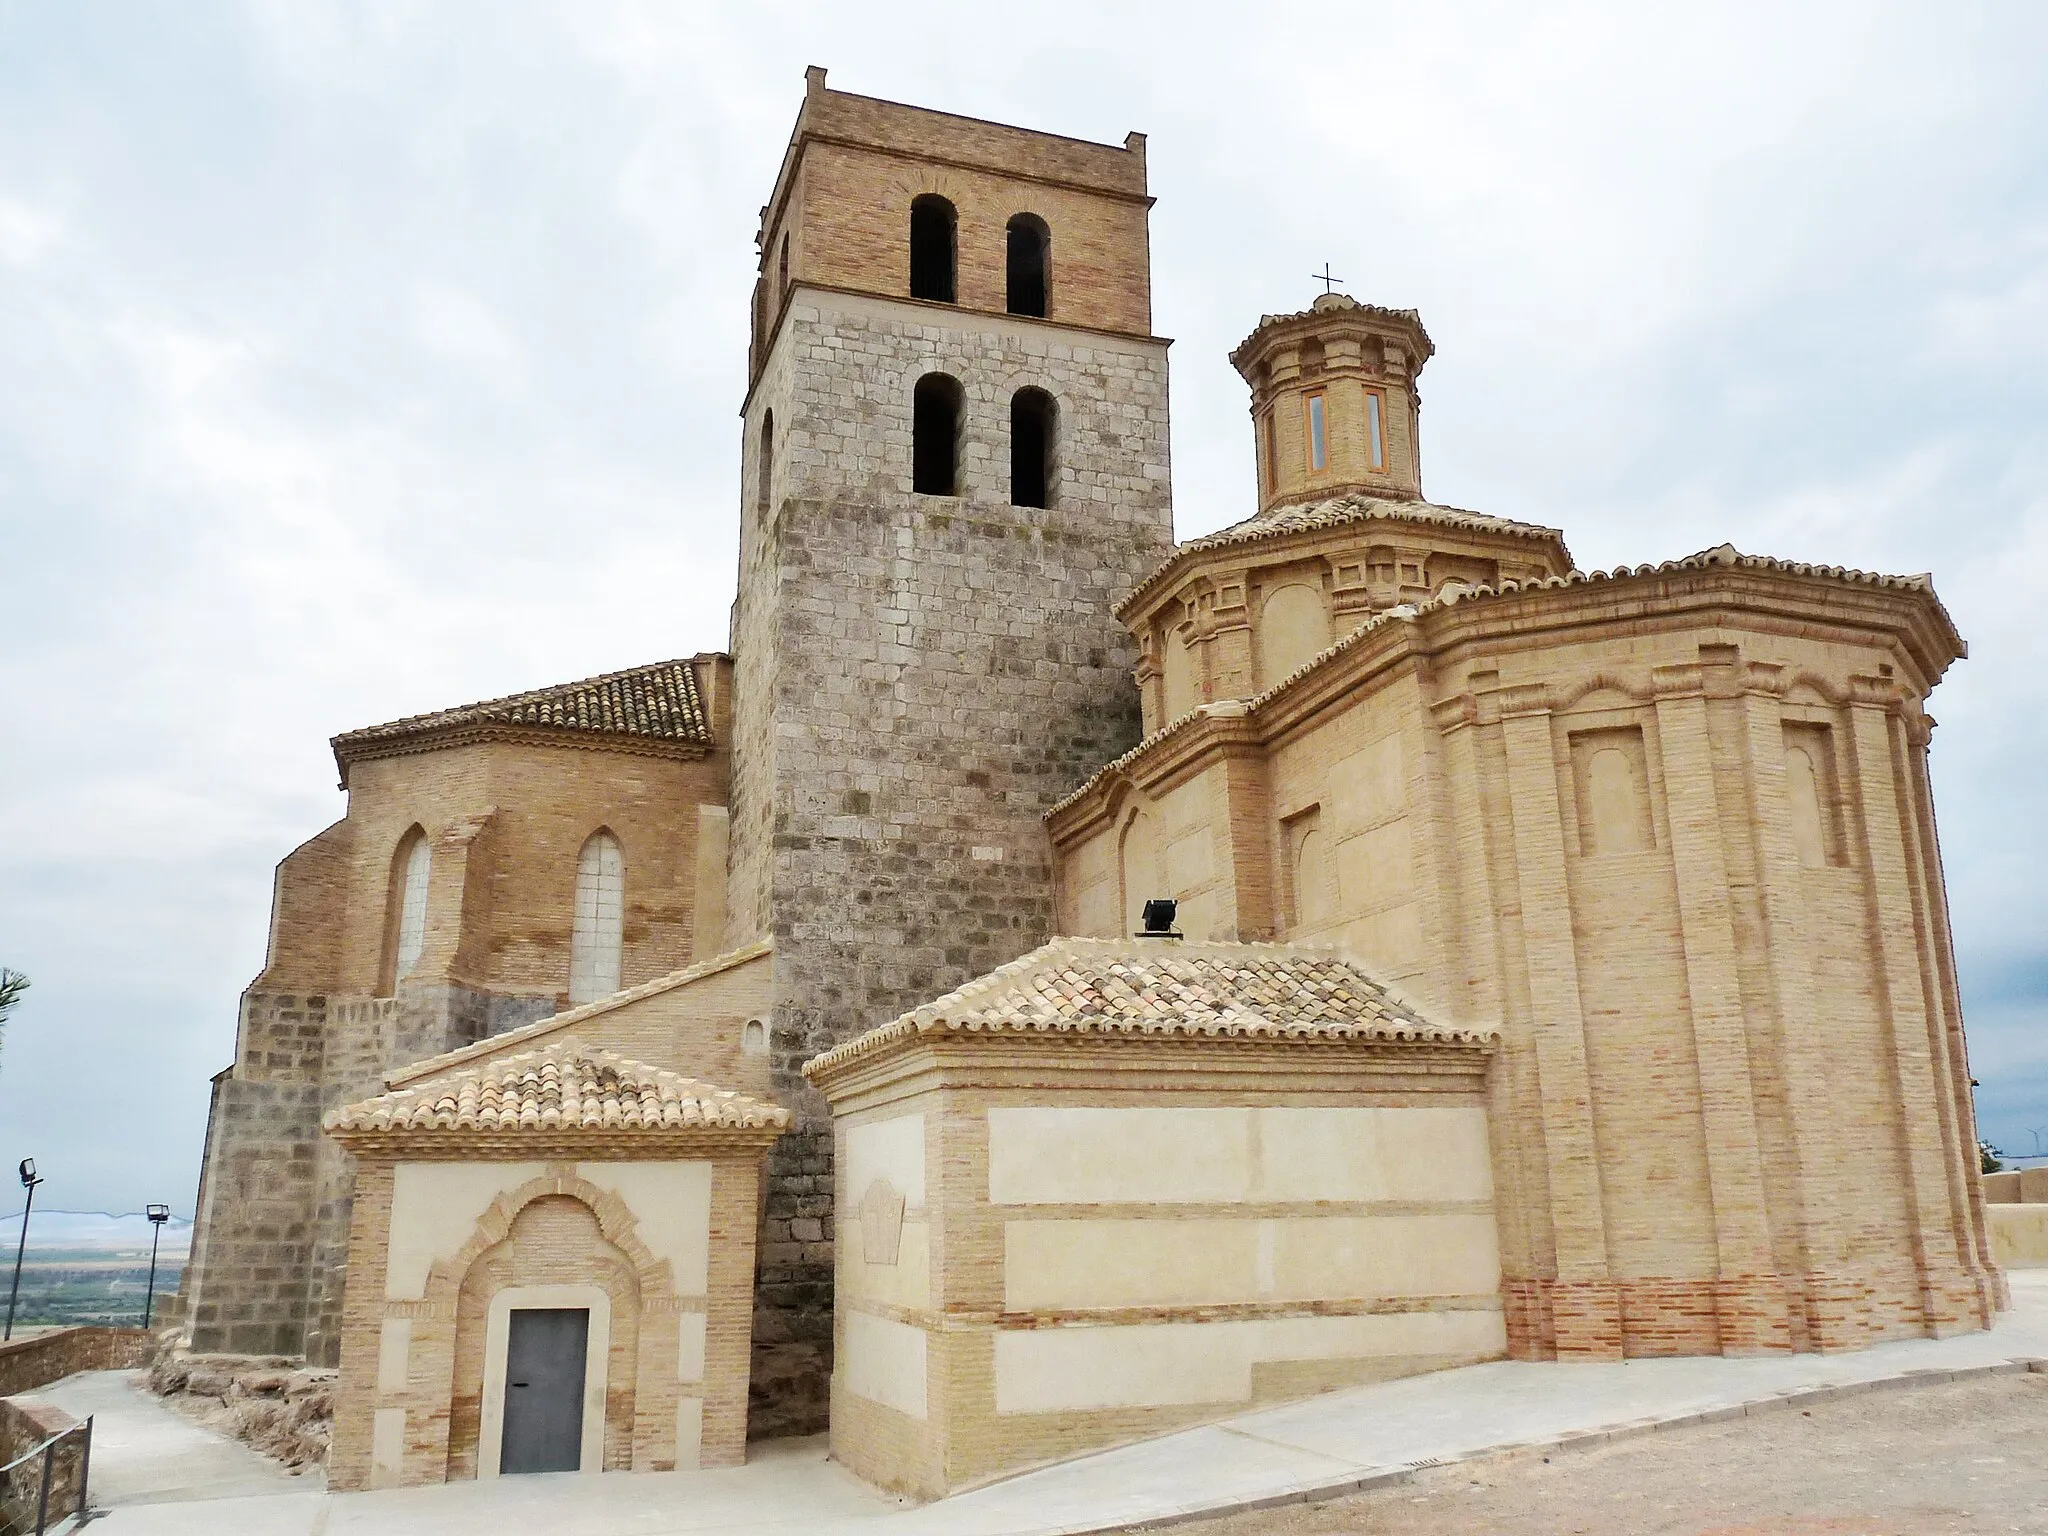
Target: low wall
<point>42,1358</point>
<point>2019,1234</point>
<point>25,1423</point>
<point>2017,1186</point>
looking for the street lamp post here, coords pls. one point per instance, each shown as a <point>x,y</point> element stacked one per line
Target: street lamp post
<point>29,1180</point>
<point>158,1215</point>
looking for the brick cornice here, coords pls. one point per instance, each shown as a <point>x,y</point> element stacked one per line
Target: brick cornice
<point>573,1145</point>
<point>1720,595</point>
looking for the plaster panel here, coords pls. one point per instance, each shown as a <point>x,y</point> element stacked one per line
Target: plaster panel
<point>1112,1263</point>
<point>1370,784</point>
<point>1203,1261</point>
<point>387,1447</point>
<point>884,1361</point>
<point>689,1433</point>
<point>1050,1370</point>
<point>906,1283</point>
<point>1053,1369</point>
<point>671,1206</point>
<point>1190,860</point>
<point>434,1207</point>
<point>394,1352</point>
<point>1374,1154</point>
<point>890,1149</point>
<point>1095,1156</point>
<point>1436,1255</point>
<point>690,1347</point>
<point>1374,869</point>
<point>1091,1156</point>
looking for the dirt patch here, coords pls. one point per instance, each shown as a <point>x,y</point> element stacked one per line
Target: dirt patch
<point>1968,1456</point>
<point>278,1406</point>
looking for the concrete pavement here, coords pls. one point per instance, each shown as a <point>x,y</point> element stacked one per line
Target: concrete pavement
<point>1320,1447</point>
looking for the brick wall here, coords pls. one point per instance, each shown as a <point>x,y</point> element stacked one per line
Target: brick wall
<point>506,821</point>
<point>841,211</point>
<point>26,1423</point>
<point>1731,1109</point>
<point>556,1229</point>
<point>39,1359</point>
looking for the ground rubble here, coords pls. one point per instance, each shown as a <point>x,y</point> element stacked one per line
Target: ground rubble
<point>278,1405</point>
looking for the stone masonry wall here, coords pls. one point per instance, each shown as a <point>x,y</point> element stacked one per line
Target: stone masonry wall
<point>943,669</point>
<point>269,1256</point>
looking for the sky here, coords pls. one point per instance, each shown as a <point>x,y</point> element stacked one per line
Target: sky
<point>362,359</point>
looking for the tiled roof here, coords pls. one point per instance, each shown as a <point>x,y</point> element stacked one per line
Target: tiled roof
<point>1327,304</point>
<point>1165,987</point>
<point>554,1023</point>
<point>1336,512</point>
<point>564,1088</point>
<point>658,701</point>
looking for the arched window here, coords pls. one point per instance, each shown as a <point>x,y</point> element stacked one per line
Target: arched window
<point>782,268</point>
<point>937,410</point>
<point>932,225</point>
<point>1033,418</point>
<point>1029,265</point>
<point>405,923</point>
<point>764,465</point>
<point>594,935</point>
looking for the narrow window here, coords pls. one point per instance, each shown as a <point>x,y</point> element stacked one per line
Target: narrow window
<point>596,928</point>
<point>764,468</point>
<point>407,924</point>
<point>1272,450</point>
<point>1032,418</point>
<point>1375,436</point>
<point>1029,265</point>
<point>936,411</point>
<point>1318,437</point>
<point>782,272</point>
<point>931,248</point>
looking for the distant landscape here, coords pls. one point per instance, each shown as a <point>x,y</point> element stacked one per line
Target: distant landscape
<point>88,1266</point>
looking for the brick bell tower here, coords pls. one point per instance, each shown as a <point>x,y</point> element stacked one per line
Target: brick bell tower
<point>955,440</point>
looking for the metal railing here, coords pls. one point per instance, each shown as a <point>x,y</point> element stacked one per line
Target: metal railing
<point>43,1476</point>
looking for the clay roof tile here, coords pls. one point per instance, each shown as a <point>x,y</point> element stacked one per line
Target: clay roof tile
<point>562,1087</point>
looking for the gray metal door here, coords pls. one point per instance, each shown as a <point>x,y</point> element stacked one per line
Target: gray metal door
<point>544,1359</point>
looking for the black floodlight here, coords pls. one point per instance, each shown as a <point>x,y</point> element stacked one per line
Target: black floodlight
<point>1158,919</point>
<point>29,1180</point>
<point>158,1215</point>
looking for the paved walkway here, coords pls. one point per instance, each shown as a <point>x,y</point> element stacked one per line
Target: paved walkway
<point>1324,1446</point>
<point>142,1452</point>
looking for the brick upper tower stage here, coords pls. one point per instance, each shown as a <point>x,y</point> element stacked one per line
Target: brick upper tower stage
<point>925,666</point>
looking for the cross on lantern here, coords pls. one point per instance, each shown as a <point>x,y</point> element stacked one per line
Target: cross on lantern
<point>1329,283</point>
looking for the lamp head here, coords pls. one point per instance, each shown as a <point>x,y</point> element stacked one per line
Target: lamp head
<point>1158,918</point>
<point>29,1177</point>
<point>157,1213</point>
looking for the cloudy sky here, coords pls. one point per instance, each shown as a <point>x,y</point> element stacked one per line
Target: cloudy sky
<point>364,358</point>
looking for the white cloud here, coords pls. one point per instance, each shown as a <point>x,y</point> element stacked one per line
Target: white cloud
<point>366,358</point>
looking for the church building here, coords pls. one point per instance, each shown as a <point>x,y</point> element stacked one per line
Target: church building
<point>1049,985</point>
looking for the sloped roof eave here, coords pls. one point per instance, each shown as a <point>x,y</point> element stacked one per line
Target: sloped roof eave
<point>1165,988</point>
